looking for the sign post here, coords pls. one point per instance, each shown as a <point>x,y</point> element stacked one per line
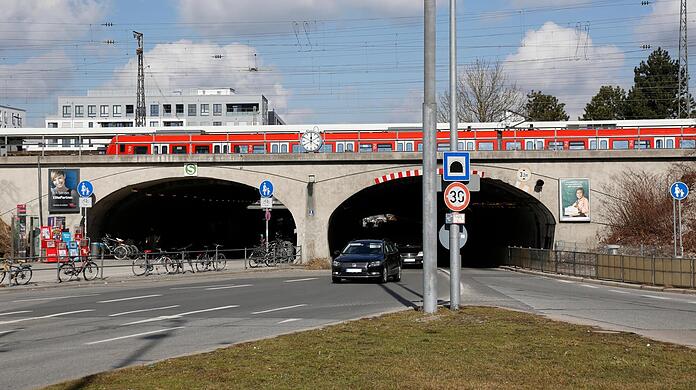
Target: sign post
<point>85,189</point>
<point>457,197</point>
<point>679,192</point>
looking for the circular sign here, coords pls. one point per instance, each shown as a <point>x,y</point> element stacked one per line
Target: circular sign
<point>266,189</point>
<point>679,190</point>
<point>443,236</point>
<point>190,169</point>
<point>85,189</point>
<point>523,174</point>
<point>457,196</point>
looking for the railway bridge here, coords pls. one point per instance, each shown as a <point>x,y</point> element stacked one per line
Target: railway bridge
<point>323,200</point>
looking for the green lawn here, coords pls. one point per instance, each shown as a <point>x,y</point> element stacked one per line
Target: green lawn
<point>474,348</point>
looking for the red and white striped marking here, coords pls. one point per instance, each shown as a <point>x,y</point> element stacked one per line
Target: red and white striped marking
<point>412,173</point>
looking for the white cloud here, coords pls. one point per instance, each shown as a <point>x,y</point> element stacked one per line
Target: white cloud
<point>661,27</point>
<point>38,76</point>
<point>564,62</point>
<point>187,65</point>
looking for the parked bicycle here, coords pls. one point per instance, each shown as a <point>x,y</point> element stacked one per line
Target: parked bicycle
<point>117,247</point>
<point>211,260</point>
<point>149,261</point>
<point>19,274</point>
<point>177,261</point>
<point>277,251</point>
<point>72,270</point>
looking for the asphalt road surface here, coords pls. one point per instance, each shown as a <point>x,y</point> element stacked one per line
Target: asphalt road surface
<point>53,334</point>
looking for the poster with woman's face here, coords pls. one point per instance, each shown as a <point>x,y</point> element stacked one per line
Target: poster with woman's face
<point>62,193</point>
<point>574,198</point>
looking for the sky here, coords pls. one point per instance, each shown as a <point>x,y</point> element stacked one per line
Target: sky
<point>322,61</point>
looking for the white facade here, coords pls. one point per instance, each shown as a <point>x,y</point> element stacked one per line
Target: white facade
<point>11,117</point>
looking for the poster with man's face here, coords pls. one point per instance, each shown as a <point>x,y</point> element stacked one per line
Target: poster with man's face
<point>574,199</point>
<point>62,193</point>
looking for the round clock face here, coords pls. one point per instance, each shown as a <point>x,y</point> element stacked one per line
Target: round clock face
<point>311,140</point>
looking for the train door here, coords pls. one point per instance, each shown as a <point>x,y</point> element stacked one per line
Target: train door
<point>404,146</point>
<point>345,147</point>
<point>160,148</point>
<point>664,142</point>
<point>467,144</point>
<point>221,148</point>
<point>599,143</point>
<point>534,144</point>
<point>279,147</point>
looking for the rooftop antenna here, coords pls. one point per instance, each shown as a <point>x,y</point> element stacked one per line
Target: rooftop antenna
<point>140,106</point>
<point>684,97</point>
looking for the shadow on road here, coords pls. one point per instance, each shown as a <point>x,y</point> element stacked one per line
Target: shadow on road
<point>400,298</point>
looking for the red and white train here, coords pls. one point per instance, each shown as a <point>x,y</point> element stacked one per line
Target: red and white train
<point>575,135</point>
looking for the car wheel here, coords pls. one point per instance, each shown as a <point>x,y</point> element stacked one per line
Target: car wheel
<point>335,280</point>
<point>385,275</point>
<point>397,278</point>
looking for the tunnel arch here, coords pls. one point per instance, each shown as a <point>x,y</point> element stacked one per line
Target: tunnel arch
<point>499,215</point>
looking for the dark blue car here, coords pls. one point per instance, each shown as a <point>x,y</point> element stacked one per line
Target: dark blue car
<point>367,259</point>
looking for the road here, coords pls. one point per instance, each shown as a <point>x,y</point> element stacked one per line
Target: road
<point>53,334</point>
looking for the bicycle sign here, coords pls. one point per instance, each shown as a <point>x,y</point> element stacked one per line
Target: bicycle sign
<point>85,189</point>
<point>266,189</point>
<point>457,196</point>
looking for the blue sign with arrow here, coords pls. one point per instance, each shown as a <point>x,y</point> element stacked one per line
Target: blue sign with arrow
<point>679,190</point>
<point>266,189</point>
<point>85,189</point>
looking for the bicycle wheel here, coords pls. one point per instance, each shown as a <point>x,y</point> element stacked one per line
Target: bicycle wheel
<point>202,262</point>
<point>256,258</point>
<point>172,266</point>
<point>140,266</point>
<point>220,262</point>
<point>66,272</point>
<point>90,270</point>
<point>133,251</point>
<point>270,258</point>
<point>23,275</point>
<point>120,252</point>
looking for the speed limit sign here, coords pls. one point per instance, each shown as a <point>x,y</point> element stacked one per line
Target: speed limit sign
<point>457,196</point>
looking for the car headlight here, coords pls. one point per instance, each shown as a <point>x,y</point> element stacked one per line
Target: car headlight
<point>336,263</point>
<point>420,253</point>
<point>375,263</point>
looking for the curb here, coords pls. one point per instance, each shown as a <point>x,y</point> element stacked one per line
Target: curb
<point>610,283</point>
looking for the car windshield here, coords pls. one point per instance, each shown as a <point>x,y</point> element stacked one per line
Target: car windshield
<point>363,248</point>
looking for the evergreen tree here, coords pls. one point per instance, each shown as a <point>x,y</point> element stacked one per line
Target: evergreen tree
<point>655,89</point>
<point>608,103</point>
<point>541,107</point>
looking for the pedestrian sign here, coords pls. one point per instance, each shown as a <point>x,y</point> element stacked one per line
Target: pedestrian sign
<point>85,189</point>
<point>679,190</point>
<point>266,189</point>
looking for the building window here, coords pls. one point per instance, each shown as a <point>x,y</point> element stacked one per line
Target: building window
<point>217,109</point>
<point>91,110</point>
<point>167,108</point>
<point>154,123</point>
<point>179,109</point>
<point>191,110</point>
<point>66,112</point>
<point>154,109</point>
<point>104,110</point>
<point>79,111</point>
<point>205,109</point>
<point>129,109</point>
<point>52,125</point>
<point>117,110</point>
<point>217,123</point>
<point>91,124</point>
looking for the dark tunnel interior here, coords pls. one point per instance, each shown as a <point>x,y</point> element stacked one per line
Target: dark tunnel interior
<point>171,214</point>
<point>499,215</point>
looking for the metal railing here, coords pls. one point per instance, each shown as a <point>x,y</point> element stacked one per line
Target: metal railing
<point>647,270</point>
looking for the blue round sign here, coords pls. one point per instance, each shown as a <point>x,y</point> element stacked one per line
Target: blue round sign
<point>266,189</point>
<point>679,190</point>
<point>85,189</point>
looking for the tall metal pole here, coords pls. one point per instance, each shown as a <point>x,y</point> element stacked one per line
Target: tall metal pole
<point>38,167</point>
<point>429,164</point>
<point>455,260</point>
<point>140,104</point>
<point>684,101</point>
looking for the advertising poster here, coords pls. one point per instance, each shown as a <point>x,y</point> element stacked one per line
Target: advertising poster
<point>574,197</point>
<point>62,194</point>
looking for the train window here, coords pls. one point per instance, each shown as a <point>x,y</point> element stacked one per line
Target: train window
<point>140,150</point>
<point>259,149</point>
<point>179,149</point>
<point>326,148</point>
<point>466,145</point>
<point>279,147</point>
<point>160,149</point>
<point>641,144</point>
<point>443,147</point>
<point>664,143</point>
<point>576,145</point>
<point>687,144</point>
<point>219,148</point>
<point>122,148</point>
<point>554,145</point>
<point>216,149</point>
<point>619,144</point>
<point>365,148</point>
<point>599,144</point>
<point>513,146</point>
<point>242,149</point>
<point>384,147</point>
<point>485,146</point>
<point>534,144</point>
<point>202,149</point>
<point>404,146</point>
<point>420,147</point>
<point>342,147</point>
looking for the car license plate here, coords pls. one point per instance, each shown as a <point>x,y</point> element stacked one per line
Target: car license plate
<point>408,260</point>
<point>354,270</point>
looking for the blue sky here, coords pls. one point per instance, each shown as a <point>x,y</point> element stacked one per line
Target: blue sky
<point>321,61</point>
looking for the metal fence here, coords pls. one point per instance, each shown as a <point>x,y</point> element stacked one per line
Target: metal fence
<point>649,270</point>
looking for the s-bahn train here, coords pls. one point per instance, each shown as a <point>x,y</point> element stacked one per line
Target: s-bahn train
<point>617,135</point>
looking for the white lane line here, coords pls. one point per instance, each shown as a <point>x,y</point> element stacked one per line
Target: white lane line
<point>289,320</point>
<point>620,292</point>
<point>194,287</point>
<point>15,312</point>
<point>53,298</point>
<point>279,308</point>
<point>130,298</point>
<point>693,302</point>
<point>135,335</point>
<point>655,297</point>
<point>299,280</point>
<point>173,316</point>
<point>226,287</point>
<point>46,316</point>
<point>9,331</point>
<point>142,310</point>
<point>565,281</point>
<point>589,286</point>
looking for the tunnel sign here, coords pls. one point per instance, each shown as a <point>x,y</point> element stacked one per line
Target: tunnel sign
<point>457,196</point>
<point>266,189</point>
<point>456,166</point>
<point>679,190</point>
<point>85,189</point>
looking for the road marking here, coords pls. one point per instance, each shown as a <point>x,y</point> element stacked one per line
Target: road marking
<point>620,292</point>
<point>142,310</point>
<point>10,331</point>
<point>589,286</point>
<point>226,287</point>
<point>135,335</point>
<point>279,308</point>
<point>173,316</point>
<point>53,298</point>
<point>46,316</point>
<point>565,281</point>
<point>289,320</point>
<point>130,298</point>
<point>299,280</point>
<point>194,287</point>
<point>15,312</point>
<point>655,297</point>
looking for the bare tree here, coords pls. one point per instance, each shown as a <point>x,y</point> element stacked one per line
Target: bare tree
<point>484,94</point>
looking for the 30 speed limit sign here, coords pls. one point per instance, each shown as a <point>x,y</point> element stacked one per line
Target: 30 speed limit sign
<point>457,196</point>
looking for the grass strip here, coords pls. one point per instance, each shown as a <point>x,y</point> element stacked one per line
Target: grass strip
<point>474,348</point>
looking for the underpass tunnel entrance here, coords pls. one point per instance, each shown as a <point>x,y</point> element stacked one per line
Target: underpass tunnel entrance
<point>498,216</point>
<point>175,213</point>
